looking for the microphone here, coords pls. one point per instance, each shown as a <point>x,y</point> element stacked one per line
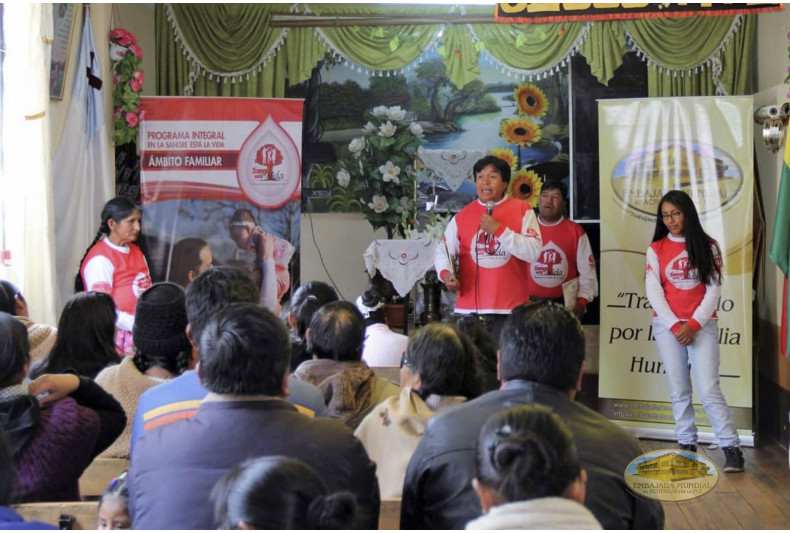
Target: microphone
<point>490,207</point>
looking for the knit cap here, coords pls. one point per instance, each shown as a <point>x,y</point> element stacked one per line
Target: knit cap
<point>160,320</point>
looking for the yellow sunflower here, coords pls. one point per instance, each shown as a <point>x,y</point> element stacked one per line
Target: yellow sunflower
<point>506,155</point>
<point>525,185</point>
<point>531,100</point>
<point>520,131</point>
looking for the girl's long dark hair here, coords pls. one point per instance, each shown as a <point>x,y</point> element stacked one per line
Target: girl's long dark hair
<point>699,244</point>
<point>117,209</point>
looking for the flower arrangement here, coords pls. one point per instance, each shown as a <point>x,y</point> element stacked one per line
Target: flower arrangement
<point>378,168</point>
<point>127,83</point>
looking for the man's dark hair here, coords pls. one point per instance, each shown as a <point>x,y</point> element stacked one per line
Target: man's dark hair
<point>244,350</point>
<point>213,290</point>
<point>542,342</point>
<point>556,185</point>
<point>14,350</point>
<point>337,332</point>
<point>500,164</point>
<point>306,300</point>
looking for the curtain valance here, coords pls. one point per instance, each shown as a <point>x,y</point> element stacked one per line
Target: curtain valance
<point>231,49</point>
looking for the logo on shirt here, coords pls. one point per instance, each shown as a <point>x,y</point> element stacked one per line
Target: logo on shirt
<point>681,274</point>
<point>551,268</point>
<point>142,281</point>
<point>487,251</point>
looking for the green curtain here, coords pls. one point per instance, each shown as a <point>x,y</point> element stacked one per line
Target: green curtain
<point>230,49</point>
<point>695,55</point>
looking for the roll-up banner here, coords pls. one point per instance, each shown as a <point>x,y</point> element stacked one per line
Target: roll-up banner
<point>703,146</point>
<point>213,171</point>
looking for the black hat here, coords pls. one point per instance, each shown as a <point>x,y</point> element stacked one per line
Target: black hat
<point>160,320</point>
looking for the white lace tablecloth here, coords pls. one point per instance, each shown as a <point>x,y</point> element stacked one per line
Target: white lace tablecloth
<point>401,261</point>
<point>453,166</point>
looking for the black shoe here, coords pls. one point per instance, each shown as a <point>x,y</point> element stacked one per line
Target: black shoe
<point>733,459</point>
<point>688,447</point>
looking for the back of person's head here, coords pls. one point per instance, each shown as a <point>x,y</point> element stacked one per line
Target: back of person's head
<point>337,331</point>
<point>159,332</point>
<point>486,345</point>
<point>278,492</point>
<point>244,350</point>
<point>8,294</point>
<point>502,166</point>
<point>526,452</point>
<point>306,300</point>
<point>213,290</point>
<point>543,342</point>
<point>114,504</point>
<point>446,360</point>
<point>371,304</point>
<point>186,260</point>
<point>115,209</point>
<point>86,337</point>
<point>7,471</point>
<point>14,350</point>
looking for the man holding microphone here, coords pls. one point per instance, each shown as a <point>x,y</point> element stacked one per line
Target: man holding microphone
<point>491,241</point>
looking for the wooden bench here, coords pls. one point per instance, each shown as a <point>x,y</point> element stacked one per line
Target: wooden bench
<point>98,475</point>
<point>77,515</point>
<point>389,514</point>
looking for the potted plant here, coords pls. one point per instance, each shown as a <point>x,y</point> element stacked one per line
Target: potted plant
<point>378,167</point>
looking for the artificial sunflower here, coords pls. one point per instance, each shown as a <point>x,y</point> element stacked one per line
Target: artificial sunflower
<point>520,131</point>
<point>525,185</point>
<point>506,155</point>
<point>531,100</point>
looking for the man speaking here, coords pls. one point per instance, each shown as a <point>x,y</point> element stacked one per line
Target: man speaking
<point>487,247</point>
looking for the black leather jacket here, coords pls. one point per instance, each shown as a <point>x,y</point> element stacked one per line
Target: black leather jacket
<point>438,493</point>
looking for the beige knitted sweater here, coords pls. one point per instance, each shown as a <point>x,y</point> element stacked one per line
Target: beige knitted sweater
<point>126,384</point>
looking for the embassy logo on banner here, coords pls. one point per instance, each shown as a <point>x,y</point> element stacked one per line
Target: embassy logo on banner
<point>708,175</point>
<point>536,12</point>
<point>671,475</point>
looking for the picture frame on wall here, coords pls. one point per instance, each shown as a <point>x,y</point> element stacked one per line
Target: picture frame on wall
<point>63,16</point>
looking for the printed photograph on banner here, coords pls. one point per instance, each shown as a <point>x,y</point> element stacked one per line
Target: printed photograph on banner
<point>221,185</point>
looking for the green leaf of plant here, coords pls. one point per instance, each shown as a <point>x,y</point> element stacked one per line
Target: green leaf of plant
<point>394,44</point>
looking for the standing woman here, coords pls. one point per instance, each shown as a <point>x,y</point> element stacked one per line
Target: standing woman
<point>114,265</point>
<point>683,282</point>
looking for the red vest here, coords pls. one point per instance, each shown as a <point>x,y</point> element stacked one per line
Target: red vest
<point>130,276</point>
<point>557,261</point>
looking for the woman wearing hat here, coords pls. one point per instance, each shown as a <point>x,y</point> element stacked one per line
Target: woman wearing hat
<point>162,353</point>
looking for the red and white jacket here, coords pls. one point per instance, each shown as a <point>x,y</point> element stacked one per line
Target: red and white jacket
<point>121,272</point>
<point>493,269</point>
<point>566,255</point>
<point>673,289</point>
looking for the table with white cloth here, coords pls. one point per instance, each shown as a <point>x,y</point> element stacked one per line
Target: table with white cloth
<point>403,262</point>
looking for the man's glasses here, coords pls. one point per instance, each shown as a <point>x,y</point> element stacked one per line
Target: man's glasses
<point>405,362</point>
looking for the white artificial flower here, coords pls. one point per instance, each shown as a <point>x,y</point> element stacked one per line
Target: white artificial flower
<point>369,128</point>
<point>379,203</point>
<point>343,178</point>
<point>380,111</point>
<point>389,172</point>
<point>357,145</point>
<point>415,129</point>
<point>404,204</point>
<point>387,129</point>
<point>396,113</point>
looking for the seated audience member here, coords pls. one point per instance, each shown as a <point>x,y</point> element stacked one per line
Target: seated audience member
<point>439,369</point>
<point>114,505</point>
<point>42,337</point>
<point>162,352</point>
<point>244,353</point>
<point>279,493</point>
<point>86,338</point>
<point>528,473</point>
<point>486,346</point>
<point>383,347</point>
<point>190,258</point>
<point>55,438</point>
<point>541,361</point>
<point>306,300</point>
<point>179,398</point>
<point>9,519</point>
<point>335,339</point>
